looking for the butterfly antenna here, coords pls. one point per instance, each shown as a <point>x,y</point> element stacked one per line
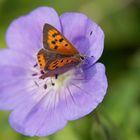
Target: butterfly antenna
<point>89,62</point>
<point>56,76</point>
<point>89,56</point>
<point>89,66</point>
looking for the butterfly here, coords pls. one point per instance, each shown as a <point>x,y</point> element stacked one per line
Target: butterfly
<point>58,55</point>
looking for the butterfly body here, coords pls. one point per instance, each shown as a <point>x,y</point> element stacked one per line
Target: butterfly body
<point>57,55</point>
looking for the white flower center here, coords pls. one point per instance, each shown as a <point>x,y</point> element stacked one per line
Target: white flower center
<point>50,85</point>
<point>63,80</point>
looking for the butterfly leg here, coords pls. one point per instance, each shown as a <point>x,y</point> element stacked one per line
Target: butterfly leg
<point>56,76</point>
<point>52,83</point>
<point>43,76</point>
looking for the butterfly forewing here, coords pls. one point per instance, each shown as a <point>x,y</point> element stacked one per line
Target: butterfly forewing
<point>58,55</point>
<point>54,41</point>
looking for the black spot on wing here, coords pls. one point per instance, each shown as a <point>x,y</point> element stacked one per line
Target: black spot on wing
<point>55,47</point>
<point>53,42</point>
<point>55,62</point>
<point>60,40</point>
<point>54,35</point>
<point>62,61</point>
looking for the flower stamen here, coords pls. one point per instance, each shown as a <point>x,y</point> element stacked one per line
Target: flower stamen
<point>45,86</point>
<point>56,76</point>
<point>52,83</point>
<point>35,65</point>
<point>91,32</point>
<point>34,74</point>
<point>36,84</point>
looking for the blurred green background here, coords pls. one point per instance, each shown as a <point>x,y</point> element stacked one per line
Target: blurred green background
<point>118,117</point>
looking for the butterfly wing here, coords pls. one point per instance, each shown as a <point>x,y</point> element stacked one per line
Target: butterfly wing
<point>63,63</point>
<point>55,42</point>
<point>58,55</point>
<point>41,57</point>
<point>45,58</point>
<point>60,66</point>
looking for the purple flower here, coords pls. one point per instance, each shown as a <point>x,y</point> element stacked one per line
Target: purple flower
<point>39,108</point>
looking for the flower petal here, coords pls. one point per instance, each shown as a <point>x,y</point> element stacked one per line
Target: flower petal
<point>38,118</point>
<point>83,33</point>
<point>13,77</point>
<point>12,57</point>
<point>37,111</point>
<point>25,33</point>
<point>77,100</point>
<point>14,65</point>
<point>12,94</point>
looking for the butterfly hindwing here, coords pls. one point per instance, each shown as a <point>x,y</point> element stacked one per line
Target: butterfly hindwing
<point>54,41</point>
<point>41,57</point>
<point>59,66</point>
<point>63,62</point>
<point>44,58</point>
<point>47,60</point>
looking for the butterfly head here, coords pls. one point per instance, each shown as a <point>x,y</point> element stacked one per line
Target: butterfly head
<point>84,57</point>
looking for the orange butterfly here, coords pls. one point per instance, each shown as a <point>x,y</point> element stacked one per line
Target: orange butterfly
<point>57,55</point>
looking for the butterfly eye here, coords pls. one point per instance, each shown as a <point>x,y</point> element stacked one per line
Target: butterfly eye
<point>82,57</point>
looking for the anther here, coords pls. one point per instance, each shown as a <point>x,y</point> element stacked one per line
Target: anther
<point>42,72</point>
<point>53,84</point>
<point>34,74</point>
<point>45,86</point>
<point>91,32</point>
<point>35,65</point>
